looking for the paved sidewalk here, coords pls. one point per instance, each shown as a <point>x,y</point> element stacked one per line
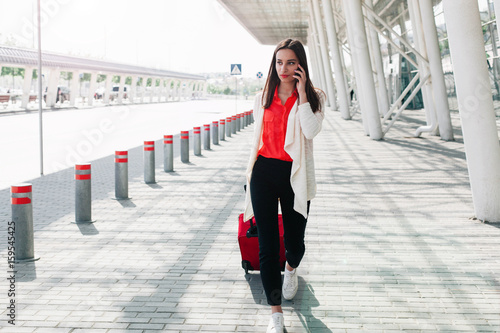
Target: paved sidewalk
<point>390,245</point>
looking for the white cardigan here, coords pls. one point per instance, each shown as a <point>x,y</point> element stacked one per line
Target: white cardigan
<point>302,126</point>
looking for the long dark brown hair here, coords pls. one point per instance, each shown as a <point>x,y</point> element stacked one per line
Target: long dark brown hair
<point>273,79</point>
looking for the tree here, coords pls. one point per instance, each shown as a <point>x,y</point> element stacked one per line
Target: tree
<point>85,77</point>
<point>13,71</point>
<point>68,76</point>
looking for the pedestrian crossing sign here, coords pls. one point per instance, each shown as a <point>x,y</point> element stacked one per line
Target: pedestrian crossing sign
<point>235,69</point>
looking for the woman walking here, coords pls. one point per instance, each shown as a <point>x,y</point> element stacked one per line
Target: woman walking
<point>288,115</point>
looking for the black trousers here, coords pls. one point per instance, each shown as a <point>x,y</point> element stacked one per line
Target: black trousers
<point>271,181</point>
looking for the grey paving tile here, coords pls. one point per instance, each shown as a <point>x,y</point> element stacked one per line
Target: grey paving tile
<point>390,246</point>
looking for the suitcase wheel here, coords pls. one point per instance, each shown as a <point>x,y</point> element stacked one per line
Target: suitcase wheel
<point>246,266</point>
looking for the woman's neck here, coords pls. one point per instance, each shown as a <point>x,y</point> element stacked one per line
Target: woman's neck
<point>286,88</point>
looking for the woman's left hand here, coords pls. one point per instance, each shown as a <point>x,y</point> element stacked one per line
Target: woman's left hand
<point>301,77</point>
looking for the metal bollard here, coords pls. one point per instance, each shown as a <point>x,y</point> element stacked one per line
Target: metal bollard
<point>247,117</point>
<point>242,125</point>
<point>238,122</point>
<point>197,141</point>
<point>233,124</point>
<point>168,153</point>
<point>83,193</point>
<point>21,226</point>
<point>121,175</point>
<point>222,129</point>
<point>251,117</point>
<point>185,146</point>
<point>215,132</point>
<point>206,137</point>
<point>149,162</point>
<point>228,127</point>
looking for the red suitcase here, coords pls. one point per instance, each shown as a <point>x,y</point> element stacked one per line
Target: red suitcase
<point>249,244</point>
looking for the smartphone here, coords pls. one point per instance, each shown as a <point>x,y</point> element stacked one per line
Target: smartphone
<point>300,70</point>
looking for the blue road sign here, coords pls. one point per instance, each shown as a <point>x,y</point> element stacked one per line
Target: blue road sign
<point>235,69</point>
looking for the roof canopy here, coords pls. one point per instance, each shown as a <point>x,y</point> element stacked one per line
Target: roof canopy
<point>271,21</point>
<point>26,57</point>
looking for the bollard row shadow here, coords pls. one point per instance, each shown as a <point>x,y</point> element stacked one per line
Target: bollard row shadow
<point>53,190</point>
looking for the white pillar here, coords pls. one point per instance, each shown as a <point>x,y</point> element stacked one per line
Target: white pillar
<point>323,46</point>
<point>132,94</point>
<point>361,54</point>
<point>475,104</point>
<point>28,77</point>
<point>74,88</point>
<point>153,89</point>
<point>382,96</point>
<point>497,13</point>
<point>205,87</point>
<point>175,91</point>
<point>312,60</point>
<point>356,73</point>
<point>161,89</point>
<point>50,99</point>
<point>92,88</point>
<point>143,88</point>
<point>333,42</point>
<point>436,68</point>
<point>427,94</point>
<point>315,44</point>
<point>121,85</point>
<point>168,91</point>
<point>108,87</point>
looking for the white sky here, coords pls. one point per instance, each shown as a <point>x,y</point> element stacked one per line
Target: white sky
<point>195,36</point>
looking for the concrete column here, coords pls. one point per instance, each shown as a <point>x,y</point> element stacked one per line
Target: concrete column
<point>312,59</point>
<point>53,81</point>
<point>436,68</point>
<point>475,104</point>
<point>342,60</point>
<point>92,88</point>
<point>28,77</point>
<point>132,94</point>
<point>205,87</point>
<point>74,87</point>
<point>167,89</point>
<point>382,96</point>
<point>318,60</point>
<point>323,46</point>
<point>153,89</point>
<point>121,85</point>
<point>427,95</point>
<point>161,92</point>
<point>108,87</point>
<point>497,13</point>
<point>356,72</point>
<point>143,88</point>
<point>333,42</point>
<point>147,92</point>
<point>361,54</point>
<point>179,90</point>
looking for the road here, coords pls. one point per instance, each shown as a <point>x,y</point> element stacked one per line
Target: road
<point>83,135</point>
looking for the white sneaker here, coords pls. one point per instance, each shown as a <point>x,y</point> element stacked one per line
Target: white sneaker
<point>276,324</point>
<point>290,284</point>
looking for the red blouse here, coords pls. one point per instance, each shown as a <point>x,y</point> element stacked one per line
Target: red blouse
<point>274,128</point>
